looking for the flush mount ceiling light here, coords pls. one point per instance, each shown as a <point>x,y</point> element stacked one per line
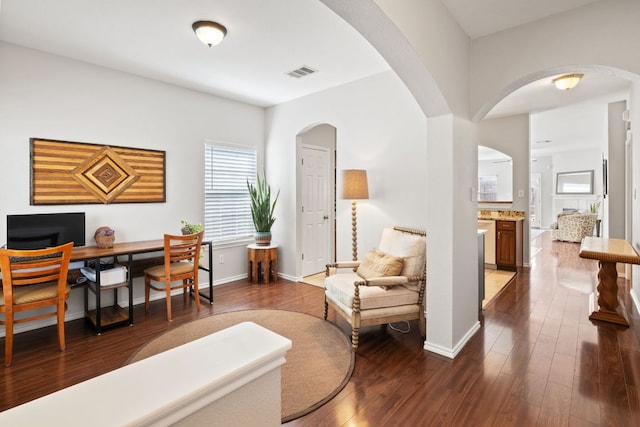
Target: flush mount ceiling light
<point>209,32</point>
<point>568,81</point>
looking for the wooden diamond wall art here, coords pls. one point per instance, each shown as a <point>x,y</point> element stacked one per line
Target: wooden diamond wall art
<point>79,173</point>
<point>105,174</point>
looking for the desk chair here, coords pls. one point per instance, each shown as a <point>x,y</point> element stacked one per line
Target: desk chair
<point>181,257</point>
<point>33,279</point>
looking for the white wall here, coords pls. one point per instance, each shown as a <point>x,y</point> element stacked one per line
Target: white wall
<point>634,109</point>
<point>380,128</point>
<point>617,136</point>
<point>51,97</point>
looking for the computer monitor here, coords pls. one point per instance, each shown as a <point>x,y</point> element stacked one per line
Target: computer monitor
<point>38,231</point>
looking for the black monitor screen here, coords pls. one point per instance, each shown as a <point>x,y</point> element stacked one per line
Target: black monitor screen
<point>40,231</point>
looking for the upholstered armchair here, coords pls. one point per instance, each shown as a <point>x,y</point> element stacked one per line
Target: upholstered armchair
<point>386,286</point>
<point>573,226</point>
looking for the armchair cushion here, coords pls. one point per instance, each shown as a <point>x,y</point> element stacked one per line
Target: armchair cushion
<point>340,288</point>
<point>411,247</point>
<point>379,264</point>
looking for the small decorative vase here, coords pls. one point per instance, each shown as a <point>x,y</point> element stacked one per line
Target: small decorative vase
<point>263,238</point>
<point>104,237</point>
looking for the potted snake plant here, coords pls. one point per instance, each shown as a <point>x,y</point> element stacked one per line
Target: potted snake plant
<point>262,209</point>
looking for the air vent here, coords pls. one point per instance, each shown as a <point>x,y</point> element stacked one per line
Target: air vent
<point>301,72</point>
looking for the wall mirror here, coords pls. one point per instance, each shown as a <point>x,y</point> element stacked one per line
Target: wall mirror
<point>576,182</point>
<point>495,176</point>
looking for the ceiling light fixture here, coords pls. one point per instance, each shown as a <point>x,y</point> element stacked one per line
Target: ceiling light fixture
<point>568,81</point>
<point>209,32</point>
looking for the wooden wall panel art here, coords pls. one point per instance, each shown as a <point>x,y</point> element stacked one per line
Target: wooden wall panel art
<point>80,173</point>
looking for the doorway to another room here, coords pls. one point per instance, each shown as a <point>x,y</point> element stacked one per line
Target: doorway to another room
<point>316,198</point>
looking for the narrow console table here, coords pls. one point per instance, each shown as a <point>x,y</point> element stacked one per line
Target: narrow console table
<point>102,317</point>
<point>262,263</point>
<point>604,303</point>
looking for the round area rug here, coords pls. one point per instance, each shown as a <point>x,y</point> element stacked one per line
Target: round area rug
<point>318,365</point>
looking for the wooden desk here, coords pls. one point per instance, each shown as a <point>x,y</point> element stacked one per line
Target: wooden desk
<point>102,317</point>
<point>262,263</point>
<point>608,252</point>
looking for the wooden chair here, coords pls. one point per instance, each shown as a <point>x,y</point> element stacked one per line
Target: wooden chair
<point>387,286</point>
<point>181,257</point>
<point>33,279</point>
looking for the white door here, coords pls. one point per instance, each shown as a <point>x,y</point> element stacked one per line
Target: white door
<point>315,209</point>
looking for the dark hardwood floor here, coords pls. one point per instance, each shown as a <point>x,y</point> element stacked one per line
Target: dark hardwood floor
<point>537,360</point>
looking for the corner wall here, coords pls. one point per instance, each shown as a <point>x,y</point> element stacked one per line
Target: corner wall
<point>380,128</point>
<point>511,136</point>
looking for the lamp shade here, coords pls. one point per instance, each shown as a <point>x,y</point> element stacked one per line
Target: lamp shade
<point>568,81</point>
<point>209,33</point>
<point>354,184</point>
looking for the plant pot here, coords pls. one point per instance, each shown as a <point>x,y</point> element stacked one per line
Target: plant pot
<point>263,238</point>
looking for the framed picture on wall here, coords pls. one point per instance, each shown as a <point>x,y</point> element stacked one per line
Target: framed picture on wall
<point>575,182</point>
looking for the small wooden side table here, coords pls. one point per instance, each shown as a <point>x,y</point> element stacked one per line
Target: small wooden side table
<point>262,263</point>
<point>604,303</point>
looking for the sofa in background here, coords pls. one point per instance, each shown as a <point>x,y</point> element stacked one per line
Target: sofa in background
<point>573,226</point>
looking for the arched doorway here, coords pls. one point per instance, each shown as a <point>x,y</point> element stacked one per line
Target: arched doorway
<point>315,197</point>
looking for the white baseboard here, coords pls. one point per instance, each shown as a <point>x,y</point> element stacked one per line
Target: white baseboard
<point>451,353</point>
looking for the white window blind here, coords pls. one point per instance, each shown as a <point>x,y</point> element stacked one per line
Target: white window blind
<point>227,205</point>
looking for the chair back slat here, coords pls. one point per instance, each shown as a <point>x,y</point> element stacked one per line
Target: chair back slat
<point>29,267</point>
<point>182,248</point>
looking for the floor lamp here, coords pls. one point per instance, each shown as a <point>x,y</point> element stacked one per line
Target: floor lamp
<point>354,186</point>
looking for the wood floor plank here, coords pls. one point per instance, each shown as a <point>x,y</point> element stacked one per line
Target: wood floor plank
<point>537,359</point>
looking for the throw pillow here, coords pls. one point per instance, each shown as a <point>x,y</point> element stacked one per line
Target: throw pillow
<point>379,264</point>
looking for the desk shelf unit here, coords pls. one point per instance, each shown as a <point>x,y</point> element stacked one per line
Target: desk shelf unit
<point>103,317</point>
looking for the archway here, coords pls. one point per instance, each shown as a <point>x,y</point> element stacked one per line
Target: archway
<point>542,157</point>
<point>315,197</point>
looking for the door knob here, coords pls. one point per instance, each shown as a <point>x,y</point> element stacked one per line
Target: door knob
<point>325,217</point>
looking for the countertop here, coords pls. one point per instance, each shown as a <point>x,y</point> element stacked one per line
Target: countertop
<point>500,218</point>
<point>492,215</point>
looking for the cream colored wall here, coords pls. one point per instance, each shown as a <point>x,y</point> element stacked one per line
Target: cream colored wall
<point>440,43</point>
<point>594,37</point>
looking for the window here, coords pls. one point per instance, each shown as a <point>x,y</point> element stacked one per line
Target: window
<point>227,205</point>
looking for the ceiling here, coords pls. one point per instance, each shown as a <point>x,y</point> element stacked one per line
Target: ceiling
<point>265,40</point>
<point>154,39</point>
